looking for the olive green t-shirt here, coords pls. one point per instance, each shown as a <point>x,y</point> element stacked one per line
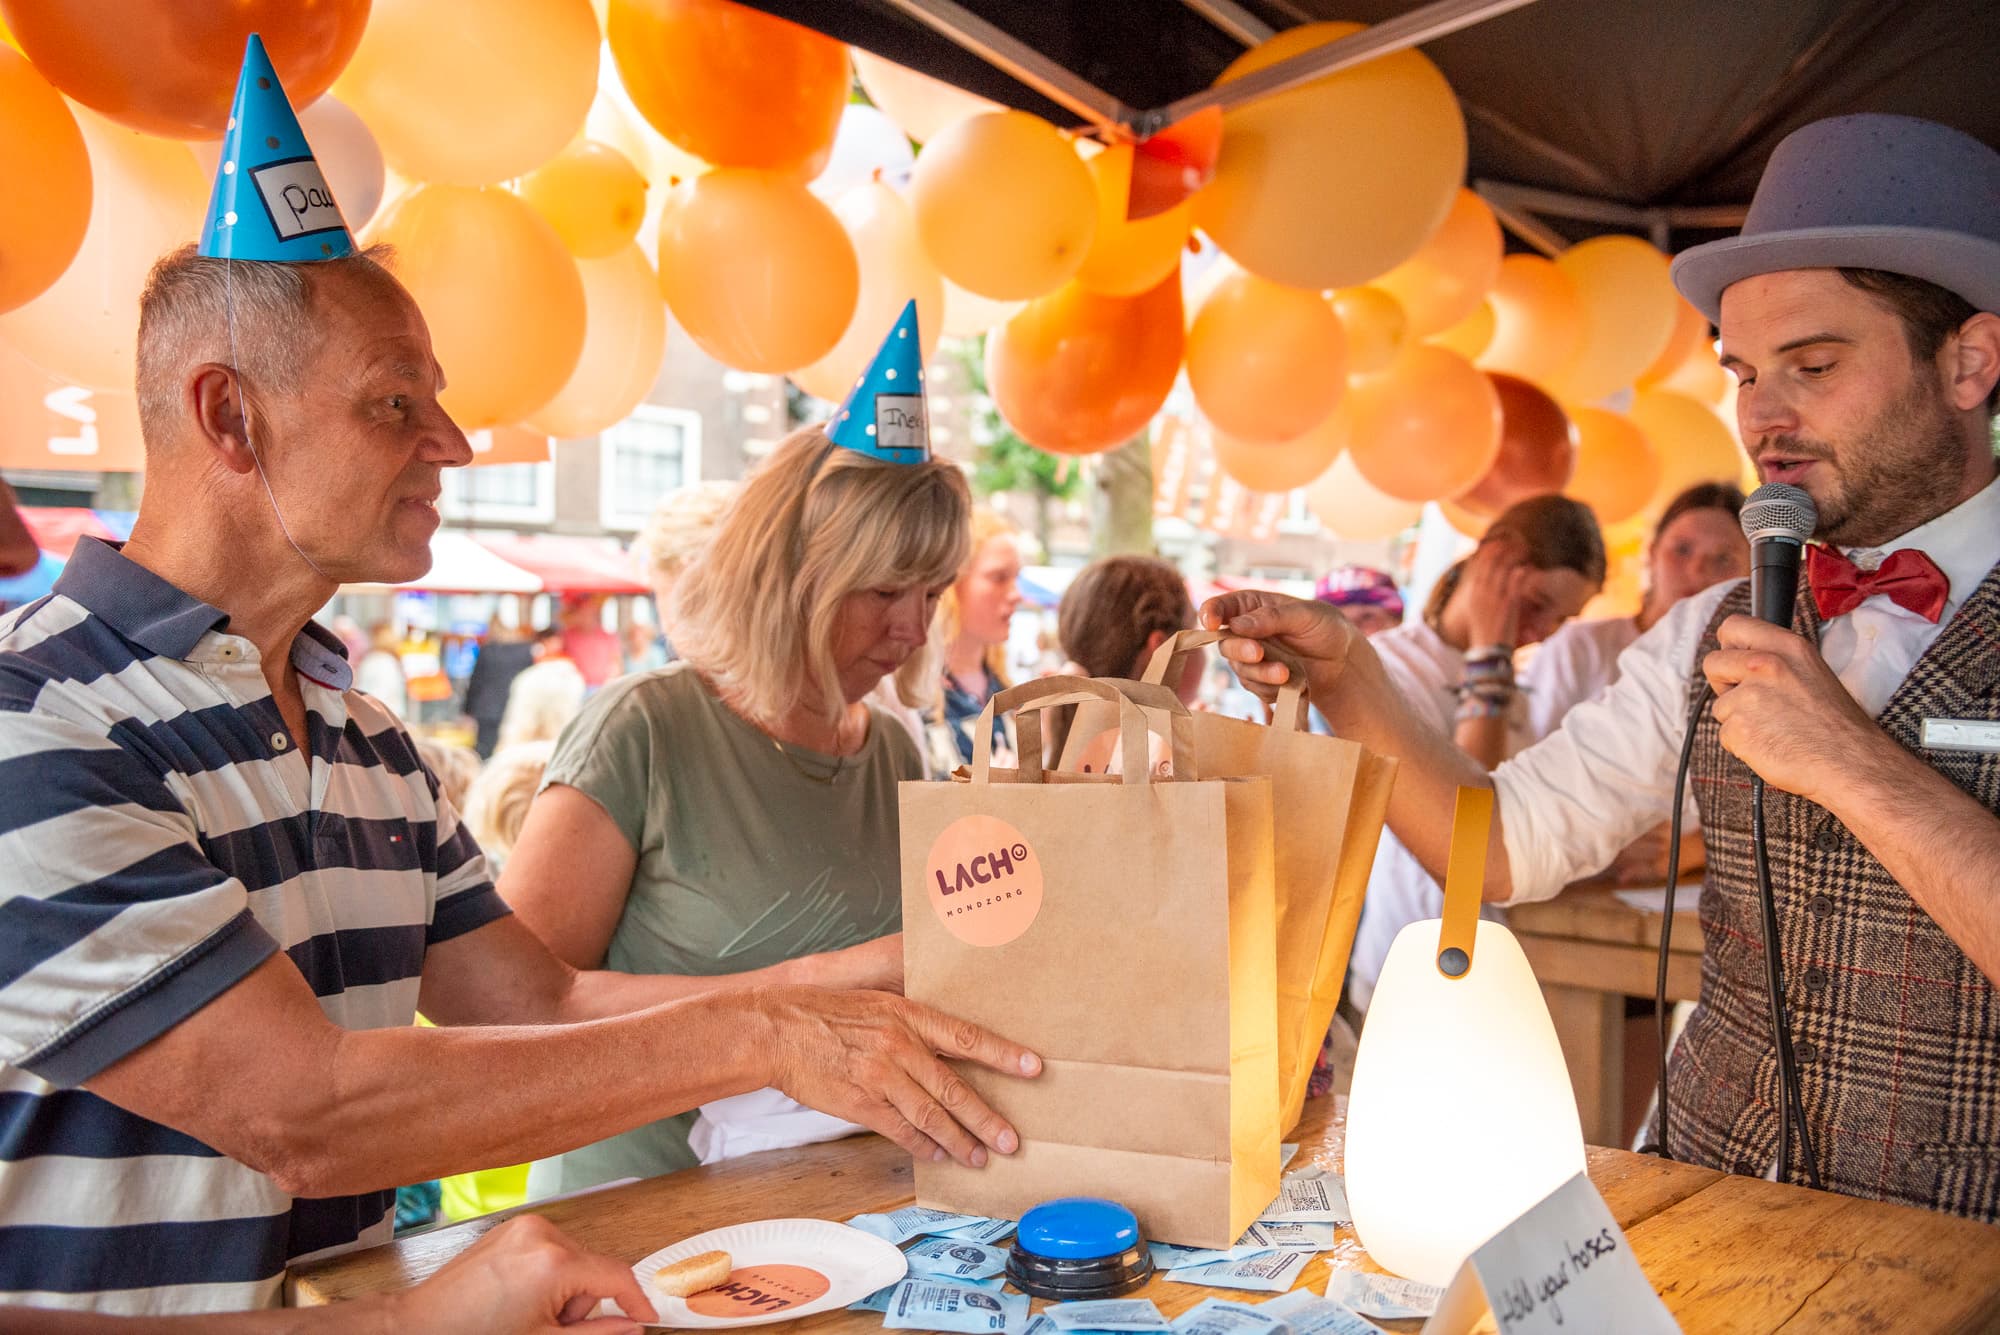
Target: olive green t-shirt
<point>746,855</point>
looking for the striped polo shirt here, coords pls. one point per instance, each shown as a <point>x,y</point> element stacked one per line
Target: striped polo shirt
<point>161,835</point>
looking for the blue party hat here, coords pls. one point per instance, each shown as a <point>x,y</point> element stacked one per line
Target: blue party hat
<point>270,200</point>
<point>886,416</point>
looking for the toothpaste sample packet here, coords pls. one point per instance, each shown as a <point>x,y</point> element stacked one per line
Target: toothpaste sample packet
<point>1219,1316</point>
<point>1270,1236</point>
<point>1273,1272</point>
<point>955,1258</point>
<point>1110,1314</point>
<point>1383,1295</point>
<point>899,1226</point>
<point>935,1304</point>
<point>1308,1200</point>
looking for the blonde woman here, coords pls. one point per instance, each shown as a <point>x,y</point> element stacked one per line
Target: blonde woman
<point>971,635</point>
<point>733,815</point>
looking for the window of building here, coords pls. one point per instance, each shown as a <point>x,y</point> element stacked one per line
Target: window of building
<point>654,451</point>
<point>500,493</point>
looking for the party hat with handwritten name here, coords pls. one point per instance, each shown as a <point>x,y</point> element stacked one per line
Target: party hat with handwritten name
<point>886,416</point>
<point>270,201</point>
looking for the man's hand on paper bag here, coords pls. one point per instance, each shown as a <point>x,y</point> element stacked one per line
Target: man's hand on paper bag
<point>1270,635</point>
<point>873,1058</point>
<point>876,965</point>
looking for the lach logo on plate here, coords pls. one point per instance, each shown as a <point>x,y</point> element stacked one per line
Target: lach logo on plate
<point>985,881</point>
<point>758,1289</point>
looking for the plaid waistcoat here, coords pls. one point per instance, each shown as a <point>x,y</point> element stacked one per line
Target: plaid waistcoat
<point>1896,1032</point>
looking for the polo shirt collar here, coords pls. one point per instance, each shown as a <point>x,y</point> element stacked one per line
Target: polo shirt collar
<point>135,602</point>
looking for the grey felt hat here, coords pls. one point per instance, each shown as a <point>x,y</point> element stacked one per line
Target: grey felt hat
<point>1866,192</point>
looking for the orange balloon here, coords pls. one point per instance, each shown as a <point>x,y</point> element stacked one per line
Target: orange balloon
<point>1630,308</point>
<point>1288,464</point>
<point>1004,205</point>
<point>1427,427</point>
<point>1616,470</point>
<point>1471,523</point>
<point>1538,320</point>
<point>730,84</point>
<point>507,347</point>
<point>920,105</point>
<point>40,227</point>
<point>168,67</point>
<point>1470,337</point>
<point>756,269</point>
<point>1266,363</point>
<point>499,106</point>
<point>1537,450</point>
<point>1444,282</point>
<point>894,272</point>
<point>1701,377</point>
<point>1377,328</point>
<point>1076,372</point>
<point>147,198</point>
<point>1690,336</point>
<point>624,337</point>
<point>1129,257</point>
<point>592,195</point>
<point>1690,440</point>
<point>968,315</point>
<point>1352,508</point>
<point>6,34</point>
<point>1335,182</point>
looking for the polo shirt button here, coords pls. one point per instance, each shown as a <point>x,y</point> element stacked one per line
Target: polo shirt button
<point>1806,1052</point>
<point>1815,980</point>
<point>1828,839</point>
<point>1821,906</point>
<point>279,741</point>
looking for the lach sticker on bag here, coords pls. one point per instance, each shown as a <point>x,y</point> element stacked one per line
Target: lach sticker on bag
<point>985,881</point>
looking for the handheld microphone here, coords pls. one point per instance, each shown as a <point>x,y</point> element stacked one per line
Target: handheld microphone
<point>1777,519</point>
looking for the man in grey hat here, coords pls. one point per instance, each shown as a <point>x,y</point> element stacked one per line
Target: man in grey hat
<point>1857,311</point>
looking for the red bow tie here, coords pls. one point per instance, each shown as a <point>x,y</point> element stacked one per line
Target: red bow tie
<point>1908,578</point>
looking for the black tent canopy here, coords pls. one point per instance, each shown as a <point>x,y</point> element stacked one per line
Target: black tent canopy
<point>1584,116</point>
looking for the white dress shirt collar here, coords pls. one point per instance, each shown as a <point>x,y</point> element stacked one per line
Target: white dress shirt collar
<point>1964,542</point>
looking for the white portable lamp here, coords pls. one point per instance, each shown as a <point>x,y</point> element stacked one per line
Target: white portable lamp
<point>1461,1116</point>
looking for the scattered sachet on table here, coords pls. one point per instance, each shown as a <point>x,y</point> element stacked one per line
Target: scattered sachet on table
<point>1308,1200</point>
<point>1219,1316</point>
<point>1168,1256</point>
<point>1306,1313</point>
<point>946,1305</point>
<point>915,1221</point>
<point>955,1258</point>
<point>1269,1235</point>
<point>1273,1272</point>
<point>1107,1314</point>
<point>1383,1295</point>
<point>978,1230</point>
<point>878,1301</point>
<point>1286,1153</point>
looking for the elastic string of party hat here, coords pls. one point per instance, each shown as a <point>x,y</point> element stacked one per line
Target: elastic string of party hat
<point>243,402</point>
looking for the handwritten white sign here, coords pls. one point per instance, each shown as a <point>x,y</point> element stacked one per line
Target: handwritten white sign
<point>1563,1268</point>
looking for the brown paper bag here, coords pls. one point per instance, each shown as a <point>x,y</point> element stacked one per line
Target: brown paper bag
<point>1124,929</point>
<point>1329,799</point>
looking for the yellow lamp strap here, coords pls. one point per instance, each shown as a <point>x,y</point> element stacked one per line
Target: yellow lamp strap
<point>1465,880</point>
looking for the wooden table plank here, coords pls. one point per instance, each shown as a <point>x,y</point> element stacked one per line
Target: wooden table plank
<point>1727,1253</point>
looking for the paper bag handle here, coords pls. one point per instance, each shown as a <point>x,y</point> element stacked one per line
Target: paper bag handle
<point>1288,715</point>
<point>1464,880</point>
<point>1027,700</point>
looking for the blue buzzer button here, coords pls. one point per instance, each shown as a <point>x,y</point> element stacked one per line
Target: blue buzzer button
<point>1077,1248</point>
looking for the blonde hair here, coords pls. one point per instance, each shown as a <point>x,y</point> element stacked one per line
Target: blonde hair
<point>756,613</point>
<point>681,528</point>
<point>541,702</point>
<point>497,806</point>
<point>454,768</point>
<point>986,526</point>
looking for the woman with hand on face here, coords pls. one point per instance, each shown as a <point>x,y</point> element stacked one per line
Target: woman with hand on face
<point>1697,544</point>
<point>971,637</point>
<point>734,815</point>
<point>1535,568</point>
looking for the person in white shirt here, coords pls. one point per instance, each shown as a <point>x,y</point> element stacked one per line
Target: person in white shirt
<point>1535,568</point>
<point>1697,544</point>
<point>1857,311</point>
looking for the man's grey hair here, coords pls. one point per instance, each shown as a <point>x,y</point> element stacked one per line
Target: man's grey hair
<point>185,316</point>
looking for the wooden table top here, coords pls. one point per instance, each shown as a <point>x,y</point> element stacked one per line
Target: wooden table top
<point>1729,1254</point>
<point>1593,912</point>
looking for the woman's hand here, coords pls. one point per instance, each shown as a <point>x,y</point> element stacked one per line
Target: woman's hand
<point>1495,587</point>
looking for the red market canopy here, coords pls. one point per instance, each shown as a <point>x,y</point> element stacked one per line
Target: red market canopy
<point>568,564</point>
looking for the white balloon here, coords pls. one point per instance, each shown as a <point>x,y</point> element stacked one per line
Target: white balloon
<point>347,153</point>
<point>968,315</point>
<point>867,142</point>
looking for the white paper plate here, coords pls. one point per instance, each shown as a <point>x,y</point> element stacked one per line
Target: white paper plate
<point>777,1261</point>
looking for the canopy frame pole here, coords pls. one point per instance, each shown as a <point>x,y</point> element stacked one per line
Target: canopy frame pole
<point>1233,19</point>
<point>1010,55</point>
<point>1516,205</point>
<point>1436,19</point>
